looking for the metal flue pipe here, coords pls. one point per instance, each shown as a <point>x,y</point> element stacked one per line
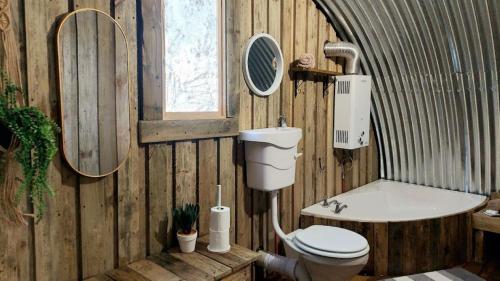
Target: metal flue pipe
<point>346,50</point>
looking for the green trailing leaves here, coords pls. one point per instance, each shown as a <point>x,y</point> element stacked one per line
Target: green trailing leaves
<point>185,217</point>
<point>37,137</point>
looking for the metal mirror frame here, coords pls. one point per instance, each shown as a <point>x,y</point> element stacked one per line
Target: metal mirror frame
<point>59,84</point>
<point>279,63</point>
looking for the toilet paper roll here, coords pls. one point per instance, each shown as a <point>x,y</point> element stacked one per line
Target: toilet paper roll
<point>219,241</point>
<point>220,218</point>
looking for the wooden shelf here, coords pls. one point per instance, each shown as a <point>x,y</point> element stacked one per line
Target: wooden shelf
<point>200,265</point>
<point>482,222</point>
<point>315,71</point>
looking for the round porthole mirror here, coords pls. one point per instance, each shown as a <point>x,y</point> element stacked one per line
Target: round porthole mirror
<point>263,64</point>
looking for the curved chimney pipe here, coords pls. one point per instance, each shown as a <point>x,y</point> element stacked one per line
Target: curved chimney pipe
<point>346,50</point>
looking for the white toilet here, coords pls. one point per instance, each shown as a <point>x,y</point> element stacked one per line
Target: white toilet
<point>328,253</point>
<point>317,253</point>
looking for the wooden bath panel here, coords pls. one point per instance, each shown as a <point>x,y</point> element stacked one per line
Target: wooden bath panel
<point>404,248</point>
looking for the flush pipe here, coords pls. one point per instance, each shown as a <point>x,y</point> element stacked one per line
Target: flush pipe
<point>284,265</point>
<point>346,50</point>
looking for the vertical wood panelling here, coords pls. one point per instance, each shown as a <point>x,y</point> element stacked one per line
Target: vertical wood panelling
<point>131,181</point>
<point>207,174</point>
<point>243,202</point>
<point>273,109</point>
<point>321,115</point>
<point>126,104</point>
<point>309,131</point>
<point>97,196</point>
<point>88,142</point>
<point>259,19</point>
<point>233,64</point>
<point>68,47</point>
<point>160,196</point>
<point>97,235</point>
<point>185,173</point>
<point>274,29</point>
<point>55,237</point>
<point>355,169</point>
<point>243,10</point>
<point>287,96</point>
<point>106,102</point>
<point>259,120</point>
<point>381,250</point>
<point>152,49</point>
<point>299,108</point>
<point>93,225</point>
<point>15,250</point>
<point>227,173</point>
<point>362,165</point>
<point>328,91</point>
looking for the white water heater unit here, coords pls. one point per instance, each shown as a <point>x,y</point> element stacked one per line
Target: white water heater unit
<point>352,111</point>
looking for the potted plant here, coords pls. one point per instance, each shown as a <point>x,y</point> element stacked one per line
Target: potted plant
<point>185,218</point>
<point>32,136</point>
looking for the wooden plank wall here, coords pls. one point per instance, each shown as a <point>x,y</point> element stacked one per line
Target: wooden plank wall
<point>93,225</point>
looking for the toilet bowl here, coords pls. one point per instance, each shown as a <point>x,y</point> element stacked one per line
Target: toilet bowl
<point>328,253</point>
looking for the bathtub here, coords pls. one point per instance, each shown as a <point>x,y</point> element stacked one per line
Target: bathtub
<point>410,228</point>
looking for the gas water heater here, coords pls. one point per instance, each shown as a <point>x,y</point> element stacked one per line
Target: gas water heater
<point>352,99</point>
<point>352,111</point>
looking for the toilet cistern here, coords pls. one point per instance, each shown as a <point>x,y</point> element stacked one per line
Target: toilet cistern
<point>270,155</point>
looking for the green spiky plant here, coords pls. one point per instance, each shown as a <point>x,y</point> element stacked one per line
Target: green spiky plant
<point>185,217</point>
<point>37,135</point>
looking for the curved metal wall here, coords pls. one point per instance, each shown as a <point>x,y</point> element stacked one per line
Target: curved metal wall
<point>435,98</point>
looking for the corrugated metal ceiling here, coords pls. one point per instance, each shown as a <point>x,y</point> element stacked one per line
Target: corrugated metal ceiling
<point>435,103</point>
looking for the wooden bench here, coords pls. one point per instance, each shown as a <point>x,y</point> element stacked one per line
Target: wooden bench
<point>480,224</point>
<point>201,265</point>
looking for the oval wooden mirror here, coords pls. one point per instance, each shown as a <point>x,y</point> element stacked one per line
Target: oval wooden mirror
<point>92,59</point>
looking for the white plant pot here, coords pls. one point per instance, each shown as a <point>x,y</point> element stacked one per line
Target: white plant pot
<point>187,242</point>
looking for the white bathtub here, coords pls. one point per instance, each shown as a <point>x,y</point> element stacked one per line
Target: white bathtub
<point>390,201</point>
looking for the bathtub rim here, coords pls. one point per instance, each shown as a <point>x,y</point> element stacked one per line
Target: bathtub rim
<point>473,209</point>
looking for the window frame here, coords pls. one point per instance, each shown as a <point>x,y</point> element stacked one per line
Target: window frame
<point>221,42</point>
<point>153,127</point>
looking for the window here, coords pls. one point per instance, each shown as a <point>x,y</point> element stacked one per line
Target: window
<point>186,93</point>
<point>193,60</point>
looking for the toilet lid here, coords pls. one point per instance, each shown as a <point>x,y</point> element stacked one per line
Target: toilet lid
<point>317,252</point>
<point>331,239</point>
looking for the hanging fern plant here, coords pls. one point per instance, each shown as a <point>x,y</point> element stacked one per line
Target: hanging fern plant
<point>36,135</point>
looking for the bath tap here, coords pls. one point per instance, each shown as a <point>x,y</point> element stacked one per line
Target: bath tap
<point>339,208</point>
<point>327,204</point>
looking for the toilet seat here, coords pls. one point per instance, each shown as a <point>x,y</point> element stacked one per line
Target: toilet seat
<point>333,242</point>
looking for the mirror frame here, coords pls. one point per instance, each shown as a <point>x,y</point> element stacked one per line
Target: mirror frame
<point>61,98</point>
<point>279,61</point>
